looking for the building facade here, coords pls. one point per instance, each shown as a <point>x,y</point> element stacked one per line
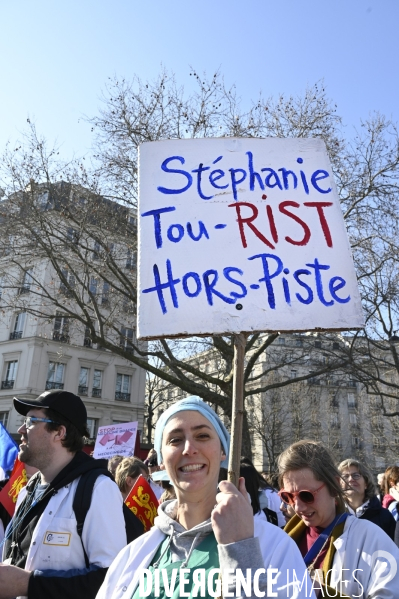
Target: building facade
<point>42,345</point>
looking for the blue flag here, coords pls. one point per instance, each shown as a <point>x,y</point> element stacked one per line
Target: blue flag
<point>8,450</point>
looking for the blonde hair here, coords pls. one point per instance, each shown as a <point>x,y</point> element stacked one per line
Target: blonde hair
<point>132,467</point>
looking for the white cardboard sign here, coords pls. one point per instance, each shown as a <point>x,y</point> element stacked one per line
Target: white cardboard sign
<point>115,439</point>
<point>242,235</point>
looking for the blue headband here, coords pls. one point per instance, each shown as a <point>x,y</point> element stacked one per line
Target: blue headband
<point>196,404</point>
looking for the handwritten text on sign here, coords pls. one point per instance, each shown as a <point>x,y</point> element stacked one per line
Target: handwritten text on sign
<point>241,235</point>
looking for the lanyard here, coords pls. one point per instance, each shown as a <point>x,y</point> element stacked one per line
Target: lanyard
<point>322,538</point>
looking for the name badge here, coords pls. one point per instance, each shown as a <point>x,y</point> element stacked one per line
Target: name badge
<point>57,538</point>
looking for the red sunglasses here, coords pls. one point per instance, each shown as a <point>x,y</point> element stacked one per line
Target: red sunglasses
<point>304,496</point>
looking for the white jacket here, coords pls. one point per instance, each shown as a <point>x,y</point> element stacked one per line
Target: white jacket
<point>362,552</point>
<point>278,551</point>
<point>56,544</point>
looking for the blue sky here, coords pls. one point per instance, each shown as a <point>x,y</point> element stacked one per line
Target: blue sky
<point>56,57</point>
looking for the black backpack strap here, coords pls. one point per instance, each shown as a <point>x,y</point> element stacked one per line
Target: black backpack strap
<point>82,500</point>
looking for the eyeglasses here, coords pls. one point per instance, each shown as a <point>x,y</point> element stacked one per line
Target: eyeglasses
<point>354,476</point>
<point>29,420</point>
<point>304,496</point>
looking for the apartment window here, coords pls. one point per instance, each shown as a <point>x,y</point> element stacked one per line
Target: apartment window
<point>87,342</point>
<point>55,376</point>
<point>355,442</point>
<point>96,251</point>
<point>335,345</point>
<point>293,374</point>
<point>351,400</point>
<point>105,293</point>
<point>92,427</point>
<point>67,283</point>
<point>317,344</point>
<point>122,390</point>
<point>27,281</point>
<point>1,286</point>
<point>97,383</point>
<point>298,342</point>
<point>127,339</point>
<point>11,375</point>
<point>72,235</point>
<point>131,259</point>
<point>335,420</point>
<point>93,284</point>
<point>61,328</point>
<point>111,249</point>
<point>83,381</point>
<point>353,419</point>
<point>18,326</point>
<point>4,418</point>
<point>281,340</point>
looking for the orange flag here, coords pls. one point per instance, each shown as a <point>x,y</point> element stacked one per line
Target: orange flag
<point>9,493</point>
<point>143,503</point>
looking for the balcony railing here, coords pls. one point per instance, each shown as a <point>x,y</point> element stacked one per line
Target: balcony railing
<point>7,384</point>
<point>83,390</point>
<point>87,342</point>
<point>59,336</point>
<point>96,392</point>
<point>119,396</point>
<point>16,335</point>
<point>52,385</point>
<point>24,289</point>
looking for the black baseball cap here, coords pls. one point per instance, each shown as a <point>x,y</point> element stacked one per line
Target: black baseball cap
<point>66,404</point>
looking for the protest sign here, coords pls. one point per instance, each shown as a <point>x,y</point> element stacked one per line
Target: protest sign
<point>242,235</point>
<point>115,439</point>
<point>142,502</point>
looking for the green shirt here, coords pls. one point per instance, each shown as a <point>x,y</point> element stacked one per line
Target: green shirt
<point>202,560</point>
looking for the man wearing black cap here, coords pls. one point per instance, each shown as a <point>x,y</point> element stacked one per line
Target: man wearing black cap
<point>44,554</point>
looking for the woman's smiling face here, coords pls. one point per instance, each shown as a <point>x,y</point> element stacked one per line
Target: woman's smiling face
<point>191,452</point>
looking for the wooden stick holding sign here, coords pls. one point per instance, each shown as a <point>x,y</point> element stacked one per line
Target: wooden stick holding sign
<point>237,412</point>
<point>222,219</point>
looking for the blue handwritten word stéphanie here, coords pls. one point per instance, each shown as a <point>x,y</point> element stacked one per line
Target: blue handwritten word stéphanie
<point>308,285</point>
<point>210,181</point>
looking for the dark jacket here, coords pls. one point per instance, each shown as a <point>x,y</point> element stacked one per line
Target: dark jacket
<point>380,516</point>
<point>74,584</point>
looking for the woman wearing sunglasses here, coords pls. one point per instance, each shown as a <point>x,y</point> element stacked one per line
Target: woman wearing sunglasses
<point>350,557</point>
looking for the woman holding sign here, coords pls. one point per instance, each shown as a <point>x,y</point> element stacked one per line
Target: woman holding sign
<point>206,530</point>
<point>350,557</point>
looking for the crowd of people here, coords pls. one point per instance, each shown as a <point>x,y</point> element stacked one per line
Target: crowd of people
<point>327,531</point>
